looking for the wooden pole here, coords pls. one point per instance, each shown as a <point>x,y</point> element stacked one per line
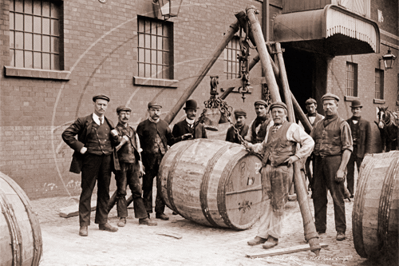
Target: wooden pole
<point>309,227</point>
<point>263,54</point>
<point>202,73</point>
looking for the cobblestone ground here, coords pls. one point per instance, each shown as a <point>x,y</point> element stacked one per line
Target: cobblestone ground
<point>199,245</point>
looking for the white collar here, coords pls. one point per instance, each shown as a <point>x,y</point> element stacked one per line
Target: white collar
<point>189,121</point>
<point>96,118</point>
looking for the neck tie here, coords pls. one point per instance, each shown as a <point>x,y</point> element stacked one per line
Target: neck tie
<point>101,121</point>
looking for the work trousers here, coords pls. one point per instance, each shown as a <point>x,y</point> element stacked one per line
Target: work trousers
<point>95,168</point>
<point>325,170</point>
<point>350,178</point>
<point>276,182</point>
<point>151,164</point>
<point>129,175</point>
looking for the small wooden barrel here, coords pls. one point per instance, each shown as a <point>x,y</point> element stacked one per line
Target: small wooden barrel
<point>213,183</point>
<point>375,216</point>
<point>20,234</point>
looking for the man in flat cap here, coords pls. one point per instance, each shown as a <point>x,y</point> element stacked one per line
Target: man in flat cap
<point>131,169</point>
<point>361,135</point>
<point>279,151</point>
<point>231,135</point>
<point>93,157</point>
<point>189,128</point>
<point>258,127</point>
<point>332,151</point>
<point>313,117</point>
<point>155,136</point>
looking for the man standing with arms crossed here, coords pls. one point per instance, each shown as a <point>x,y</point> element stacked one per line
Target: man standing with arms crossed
<point>279,153</point>
<point>333,148</point>
<point>93,157</point>
<point>155,136</point>
<point>361,135</point>
<point>131,168</point>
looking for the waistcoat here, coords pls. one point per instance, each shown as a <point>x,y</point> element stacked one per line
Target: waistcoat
<point>99,142</point>
<point>328,138</point>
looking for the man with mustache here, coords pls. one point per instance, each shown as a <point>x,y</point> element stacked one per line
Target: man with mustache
<point>240,116</point>
<point>361,135</point>
<point>279,151</point>
<point>332,151</point>
<point>155,136</point>
<point>93,157</point>
<point>131,168</point>
<point>258,127</point>
<point>188,128</point>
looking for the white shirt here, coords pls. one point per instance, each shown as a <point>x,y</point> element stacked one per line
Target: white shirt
<point>96,119</point>
<point>296,134</point>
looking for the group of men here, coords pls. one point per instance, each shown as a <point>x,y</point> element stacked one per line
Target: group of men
<point>100,149</point>
<point>334,145</point>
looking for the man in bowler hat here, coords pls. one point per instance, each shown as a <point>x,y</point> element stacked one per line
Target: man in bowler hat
<point>93,157</point>
<point>361,135</point>
<point>333,148</point>
<point>231,135</point>
<point>131,169</point>
<point>155,136</point>
<point>189,128</point>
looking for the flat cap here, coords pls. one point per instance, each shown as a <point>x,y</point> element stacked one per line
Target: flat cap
<point>154,104</point>
<point>123,108</point>
<point>240,112</point>
<point>101,96</point>
<point>261,102</point>
<point>310,101</point>
<point>278,105</point>
<point>356,103</point>
<point>330,96</point>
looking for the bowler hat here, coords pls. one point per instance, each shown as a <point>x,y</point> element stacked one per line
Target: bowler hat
<point>278,105</point>
<point>240,112</point>
<point>261,102</point>
<point>356,103</point>
<point>310,101</point>
<point>123,108</point>
<point>330,96</point>
<point>191,104</point>
<point>154,104</point>
<point>100,96</point>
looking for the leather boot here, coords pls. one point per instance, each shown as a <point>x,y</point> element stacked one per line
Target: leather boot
<point>256,241</point>
<point>83,231</point>
<point>271,242</point>
<point>122,222</point>
<point>107,227</point>
<point>147,221</point>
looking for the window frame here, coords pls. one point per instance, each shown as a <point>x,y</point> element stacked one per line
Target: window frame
<point>351,79</point>
<point>232,49</point>
<point>379,86</point>
<point>29,54</point>
<point>167,70</point>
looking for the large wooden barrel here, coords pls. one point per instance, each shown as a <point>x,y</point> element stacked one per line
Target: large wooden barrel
<point>375,216</point>
<point>20,234</point>
<point>212,182</point>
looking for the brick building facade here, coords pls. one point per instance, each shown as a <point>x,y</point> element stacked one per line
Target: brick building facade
<point>56,55</point>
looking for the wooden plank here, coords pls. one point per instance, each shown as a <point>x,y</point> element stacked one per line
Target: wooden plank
<point>73,210</point>
<point>282,251</point>
<point>170,235</point>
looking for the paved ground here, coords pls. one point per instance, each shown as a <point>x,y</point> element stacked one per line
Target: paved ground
<point>199,245</point>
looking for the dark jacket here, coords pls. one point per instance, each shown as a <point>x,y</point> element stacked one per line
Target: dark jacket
<point>81,127</point>
<point>147,132</point>
<point>182,127</point>
<point>318,118</point>
<point>364,138</point>
<point>232,136</point>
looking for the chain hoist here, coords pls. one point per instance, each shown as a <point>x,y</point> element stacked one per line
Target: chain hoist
<point>243,63</point>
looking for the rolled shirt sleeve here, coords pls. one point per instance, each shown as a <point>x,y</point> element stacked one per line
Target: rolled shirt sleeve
<point>346,137</point>
<point>296,134</point>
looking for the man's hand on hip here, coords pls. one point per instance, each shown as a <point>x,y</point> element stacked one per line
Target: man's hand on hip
<point>83,150</point>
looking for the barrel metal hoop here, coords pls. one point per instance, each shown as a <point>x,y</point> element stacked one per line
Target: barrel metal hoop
<point>171,174</point>
<point>228,169</point>
<point>357,216</point>
<point>34,221</point>
<point>204,184</point>
<point>385,204</point>
<point>15,231</point>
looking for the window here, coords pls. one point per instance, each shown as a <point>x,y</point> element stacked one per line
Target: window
<point>35,34</point>
<point>231,65</point>
<point>351,79</point>
<point>155,48</point>
<point>379,84</point>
